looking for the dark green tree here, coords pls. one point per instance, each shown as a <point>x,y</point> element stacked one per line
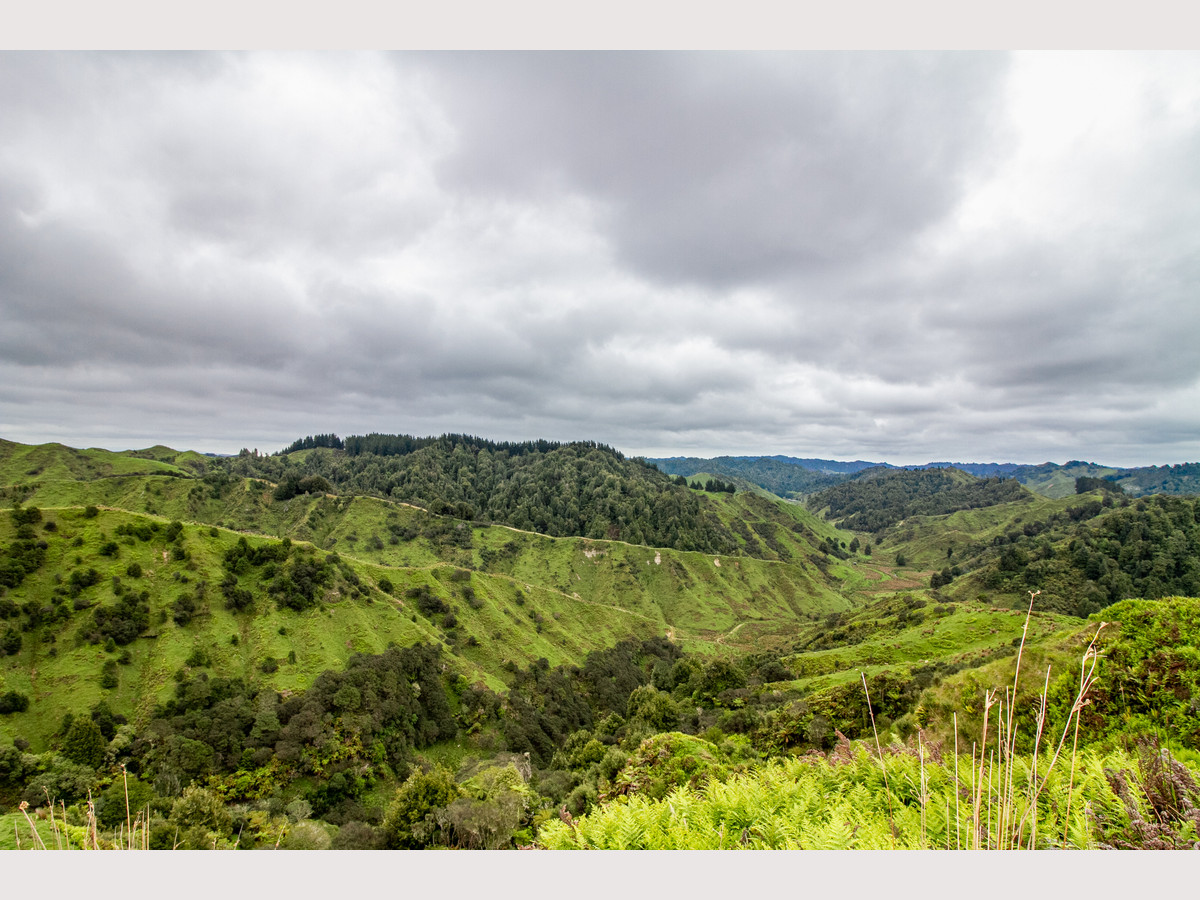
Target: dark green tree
<point>84,743</point>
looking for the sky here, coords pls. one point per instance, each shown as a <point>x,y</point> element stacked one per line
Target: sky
<point>890,256</point>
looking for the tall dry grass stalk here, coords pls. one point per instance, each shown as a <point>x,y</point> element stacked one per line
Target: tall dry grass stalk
<point>133,835</point>
<point>957,826</point>
<point>882,765</point>
<point>1011,819</point>
<point>1015,817</point>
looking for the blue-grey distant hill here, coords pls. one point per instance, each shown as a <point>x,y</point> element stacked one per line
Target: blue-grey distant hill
<point>790,476</point>
<point>782,475</point>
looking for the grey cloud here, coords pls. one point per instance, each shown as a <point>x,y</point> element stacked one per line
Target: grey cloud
<point>726,169</point>
<point>668,252</point>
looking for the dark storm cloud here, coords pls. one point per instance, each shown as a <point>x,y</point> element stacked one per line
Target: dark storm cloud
<point>896,256</point>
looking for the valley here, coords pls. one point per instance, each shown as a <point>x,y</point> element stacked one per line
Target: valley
<point>402,642</point>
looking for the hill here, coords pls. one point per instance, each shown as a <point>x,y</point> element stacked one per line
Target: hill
<point>877,498</point>
<point>779,476</point>
<point>777,473</point>
<point>294,650</point>
<point>581,489</point>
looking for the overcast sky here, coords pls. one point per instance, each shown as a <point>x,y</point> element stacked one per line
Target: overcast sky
<point>901,257</point>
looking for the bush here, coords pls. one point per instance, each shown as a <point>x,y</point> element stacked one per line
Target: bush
<point>654,707</point>
<point>198,658</point>
<point>59,777</point>
<point>495,803</point>
<point>111,804</point>
<point>407,824</point>
<point>183,609</point>
<point>198,814</point>
<point>125,619</point>
<point>13,702</point>
<point>133,570</point>
<point>10,642</point>
<point>357,836</point>
<point>306,835</point>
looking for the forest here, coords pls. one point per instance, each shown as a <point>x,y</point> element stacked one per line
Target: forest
<point>581,489</point>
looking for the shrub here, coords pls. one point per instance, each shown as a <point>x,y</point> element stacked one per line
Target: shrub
<point>306,835</point>
<point>198,658</point>
<point>60,778</point>
<point>357,836</point>
<point>183,609</point>
<point>10,642</point>
<point>653,707</point>
<point>200,813</point>
<point>111,809</point>
<point>125,619</point>
<point>408,824</point>
<point>13,702</point>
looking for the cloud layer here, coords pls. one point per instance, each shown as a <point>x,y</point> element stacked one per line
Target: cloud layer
<point>885,256</point>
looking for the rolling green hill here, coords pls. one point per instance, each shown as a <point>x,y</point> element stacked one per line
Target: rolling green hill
<point>324,630</point>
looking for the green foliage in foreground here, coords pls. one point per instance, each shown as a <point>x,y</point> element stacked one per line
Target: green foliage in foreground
<point>852,801</point>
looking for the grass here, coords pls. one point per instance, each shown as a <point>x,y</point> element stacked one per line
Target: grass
<point>576,596</point>
<point>924,540</point>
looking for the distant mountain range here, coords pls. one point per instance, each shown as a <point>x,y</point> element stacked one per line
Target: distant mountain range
<point>790,475</point>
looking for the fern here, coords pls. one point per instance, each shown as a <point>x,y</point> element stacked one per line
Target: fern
<point>815,804</point>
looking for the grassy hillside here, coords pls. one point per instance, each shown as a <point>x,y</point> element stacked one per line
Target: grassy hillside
<point>23,464</point>
<point>1055,481</point>
<point>530,596</point>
